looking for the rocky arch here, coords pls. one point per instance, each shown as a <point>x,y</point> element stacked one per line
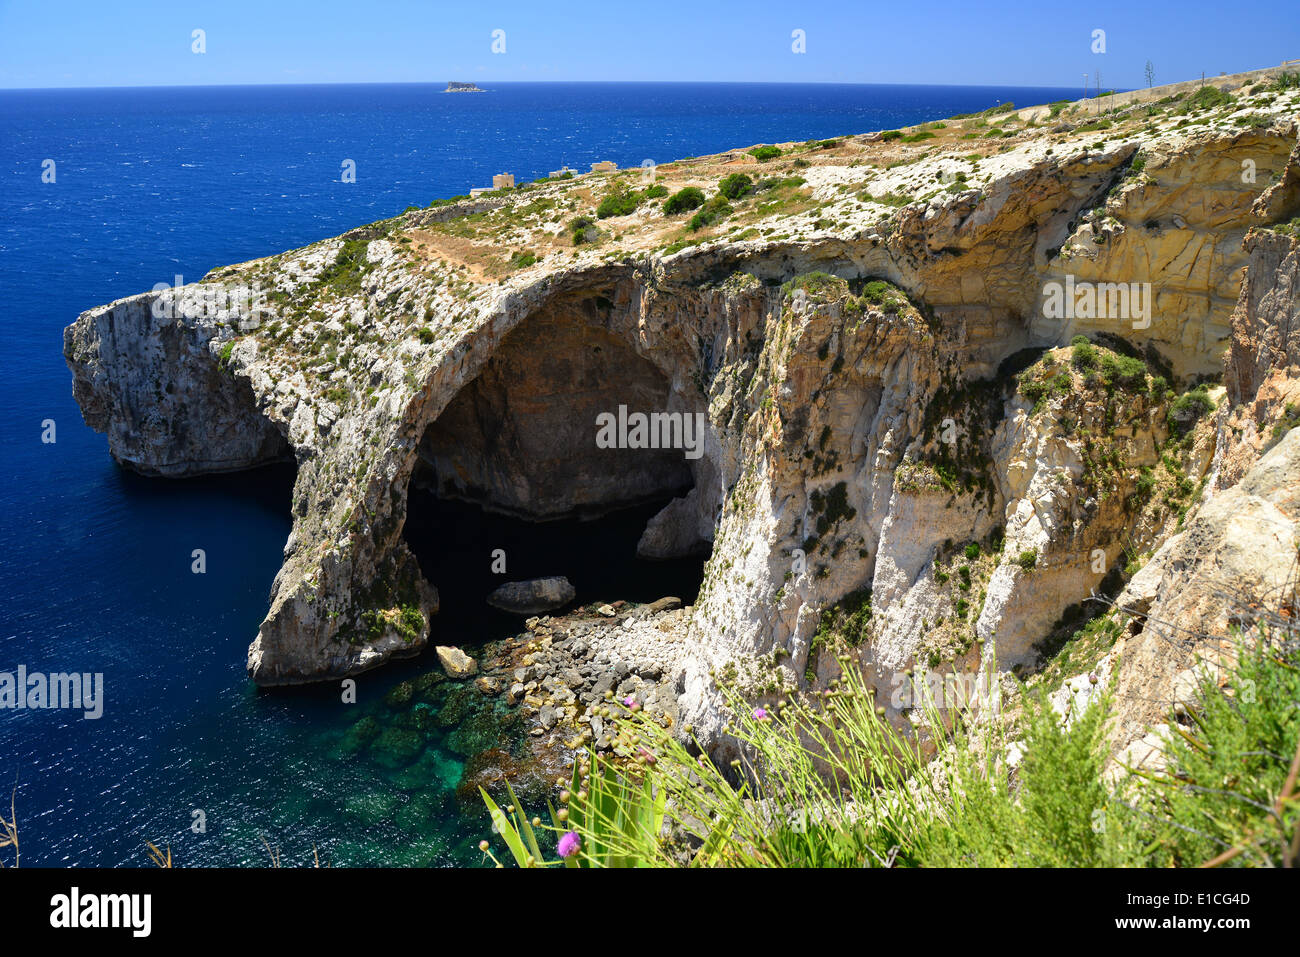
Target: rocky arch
<point>521,438</point>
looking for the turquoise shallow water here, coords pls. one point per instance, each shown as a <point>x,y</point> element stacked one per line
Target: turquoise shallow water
<point>95,563</point>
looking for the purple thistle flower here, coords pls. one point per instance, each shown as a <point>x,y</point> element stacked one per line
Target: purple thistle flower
<point>760,714</point>
<point>629,701</point>
<point>569,844</point>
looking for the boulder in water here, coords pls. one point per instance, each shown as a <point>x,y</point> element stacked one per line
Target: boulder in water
<point>533,596</point>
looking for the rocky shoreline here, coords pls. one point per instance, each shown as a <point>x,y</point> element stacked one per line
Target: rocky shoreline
<point>536,700</point>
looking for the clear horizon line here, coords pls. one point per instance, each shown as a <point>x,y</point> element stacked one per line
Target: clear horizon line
<point>220,86</point>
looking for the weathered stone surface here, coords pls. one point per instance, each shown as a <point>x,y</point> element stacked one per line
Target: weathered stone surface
<point>1231,566</point>
<point>678,530</point>
<point>155,385</point>
<point>1261,365</point>
<point>533,596</point>
<point>456,663</point>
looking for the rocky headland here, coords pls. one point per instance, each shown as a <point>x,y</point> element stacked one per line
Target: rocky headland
<point>958,382</point>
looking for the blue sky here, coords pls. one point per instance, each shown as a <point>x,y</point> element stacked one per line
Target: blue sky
<point>148,42</point>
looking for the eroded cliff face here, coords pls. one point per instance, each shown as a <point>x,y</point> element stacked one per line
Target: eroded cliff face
<point>891,405</point>
<point>152,382</point>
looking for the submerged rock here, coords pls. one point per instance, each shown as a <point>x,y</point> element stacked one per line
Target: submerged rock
<point>400,696</point>
<point>435,770</point>
<point>370,808</point>
<point>533,596</point>
<point>358,736</point>
<point>480,731</point>
<point>416,815</point>
<point>396,748</point>
<point>532,776</point>
<point>452,708</point>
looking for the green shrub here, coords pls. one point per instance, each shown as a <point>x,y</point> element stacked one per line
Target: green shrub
<point>1223,794</point>
<point>1051,822</point>
<point>1290,419</point>
<point>1189,408</point>
<point>972,551</point>
<point>1208,97</point>
<point>735,186</point>
<point>888,135</point>
<point>1124,372</point>
<point>778,182</point>
<point>1033,388</point>
<point>847,623</point>
<point>890,298</point>
<point>1285,81</point>
<point>818,285</point>
<point>714,211</point>
<point>1287,229</point>
<point>582,229</point>
<point>683,200</point>
<point>876,291</point>
<point>1028,559</point>
<point>343,276</point>
<point>657,191</point>
<point>888,199</point>
<point>522,259</point>
<point>1146,483</point>
<point>619,202</point>
<point>765,153</point>
<point>1083,356</point>
<point>449,201</point>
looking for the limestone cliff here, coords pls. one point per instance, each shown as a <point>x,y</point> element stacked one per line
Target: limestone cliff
<point>893,408</point>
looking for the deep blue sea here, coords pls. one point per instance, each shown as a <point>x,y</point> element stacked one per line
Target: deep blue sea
<point>95,563</point>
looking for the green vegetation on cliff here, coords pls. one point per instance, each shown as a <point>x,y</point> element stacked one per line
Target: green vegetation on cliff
<point>828,782</point>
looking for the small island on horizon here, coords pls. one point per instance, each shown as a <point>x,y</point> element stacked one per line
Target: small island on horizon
<point>454,86</point>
